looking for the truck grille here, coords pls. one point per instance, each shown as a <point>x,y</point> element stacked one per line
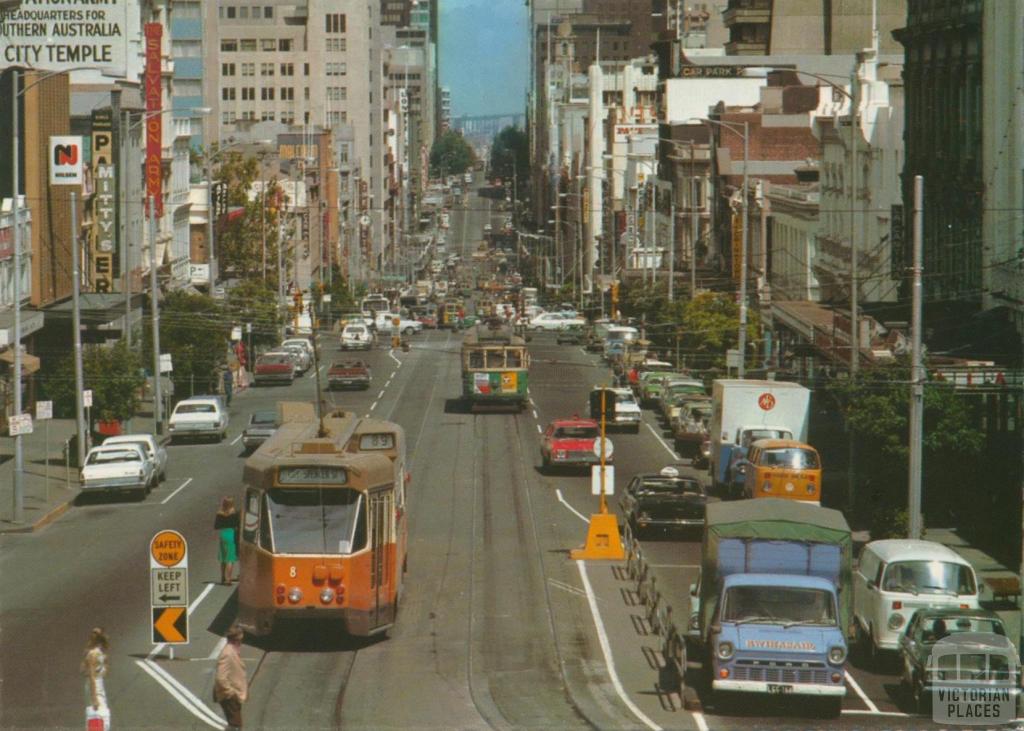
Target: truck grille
<point>772,672</point>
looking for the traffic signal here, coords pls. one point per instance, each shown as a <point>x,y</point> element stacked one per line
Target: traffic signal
<point>615,295</point>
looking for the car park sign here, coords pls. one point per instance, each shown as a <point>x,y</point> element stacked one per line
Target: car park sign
<point>168,587</point>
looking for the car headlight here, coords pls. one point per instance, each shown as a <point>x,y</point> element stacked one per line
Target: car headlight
<point>836,655</point>
<point>725,650</point>
<point>896,621</point>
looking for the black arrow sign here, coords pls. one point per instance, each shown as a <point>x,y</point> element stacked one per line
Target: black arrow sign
<point>166,598</point>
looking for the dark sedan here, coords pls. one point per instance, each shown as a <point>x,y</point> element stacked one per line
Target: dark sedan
<point>262,425</point>
<point>978,636</point>
<point>664,501</point>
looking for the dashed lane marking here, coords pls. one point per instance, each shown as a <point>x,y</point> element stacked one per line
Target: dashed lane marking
<point>236,440</point>
<point>392,354</point>
<point>181,487</point>
<point>539,430</point>
<point>535,414</point>
<point>373,406</point>
<point>662,441</point>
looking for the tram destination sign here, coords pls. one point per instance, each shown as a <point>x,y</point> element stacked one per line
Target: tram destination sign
<point>62,35</point>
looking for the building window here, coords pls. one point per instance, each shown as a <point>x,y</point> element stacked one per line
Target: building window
<point>288,94</point>
<point>267,93</point>
<point>247,45</point>
<point>250,114</point>
<point>243,12</point>
<point>336,45</point>
<point>186,49</point>
<point>334,23</point>
<point>287,69</point>
<point>230,10</point>
<point>228,46</point>
<point>267,117</point>
<point>287,117</point>
<point>337,93</point>
<point>284,44</point>
<point>248,93</point>
<point>227,117</point>
<point>268,44</point>
<point>188,87</point>
<point>227,69</point>
<point>227,94</point>
<point>305,69</point>
<point>305,93</point>
<point>337,68</point>
<point>248,69</point>
<point>266,69</point>
<point>268,12</point>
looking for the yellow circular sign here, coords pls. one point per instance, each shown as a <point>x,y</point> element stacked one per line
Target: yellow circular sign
<point>168,548</point>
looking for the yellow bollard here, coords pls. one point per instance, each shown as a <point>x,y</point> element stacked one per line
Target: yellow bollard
<point>603,541</point>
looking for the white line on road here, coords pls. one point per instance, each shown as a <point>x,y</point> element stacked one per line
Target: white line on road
<point>581,516</point>
<point>392,354</point>
<point>863,696</point>
<point>181,487</point>
<point>673,566</point>
<point>373,405</point>
<point>182,694</point>
<point>215,652</point>
<point>236,439</point>
<point>858,712</point>
<point>567,587</point>
<point>535,414</point>
<point>606,649</point>
<point>663,442</point>
<point>539,430</point>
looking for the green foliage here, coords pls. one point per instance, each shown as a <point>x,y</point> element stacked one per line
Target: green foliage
<point>254,301</point>
<point>194,331</point>
<point>113,373</point>
<point>510,156</point>
<point>451,155</point>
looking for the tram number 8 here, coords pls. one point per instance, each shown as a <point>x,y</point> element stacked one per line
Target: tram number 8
<point>292,572</point>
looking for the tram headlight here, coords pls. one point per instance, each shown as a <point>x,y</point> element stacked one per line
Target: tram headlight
<point>327,596</point>
<point>295,595</point>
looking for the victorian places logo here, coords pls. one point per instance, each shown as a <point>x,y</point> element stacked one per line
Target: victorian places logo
<point>973,679</point>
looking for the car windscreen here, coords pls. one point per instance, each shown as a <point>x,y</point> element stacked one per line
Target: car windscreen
<point>195,409</point>
<point>624,398</point>
<point>668,486</point>
<point>576,432</point>
<point>934,629</point>
<point>773,604</point>
<point>268,418</point>
<point>929,577</point>
<point>793,458</point>
<point>114,456</point>
<point>317,520</point>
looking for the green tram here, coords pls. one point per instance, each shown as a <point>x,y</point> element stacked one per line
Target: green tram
<point>495,364</point>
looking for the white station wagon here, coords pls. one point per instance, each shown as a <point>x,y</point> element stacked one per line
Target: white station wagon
<point>199,417</point>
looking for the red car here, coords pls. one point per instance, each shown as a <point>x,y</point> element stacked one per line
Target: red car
<point>570,442</point>
<point>428,321</point>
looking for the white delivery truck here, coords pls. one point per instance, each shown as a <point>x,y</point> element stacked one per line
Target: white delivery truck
<point>744,411</point>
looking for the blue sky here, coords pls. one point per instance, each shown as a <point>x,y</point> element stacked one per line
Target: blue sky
<point>485,55</point>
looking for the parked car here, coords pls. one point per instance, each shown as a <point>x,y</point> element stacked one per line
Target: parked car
<point>570,336</point>
<point>274,367</point>
<point>302,357</point>
<point>664,501</point>
<point>991,660</point>
<point>570,443</point>
<point>624,413</point>
<point>154,450</point>
<point>262,425</point>
<point>200,417</point>
<point>896,577</point>
<point>304,343</point>
<point>555,321</point>
<point>117,468</point>
<point>356,336</point>
<point>348,374</point>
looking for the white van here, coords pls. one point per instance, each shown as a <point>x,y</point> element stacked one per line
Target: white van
<point>895,578</point>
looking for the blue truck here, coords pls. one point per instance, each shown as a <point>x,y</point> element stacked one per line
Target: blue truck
<point>772,609</point>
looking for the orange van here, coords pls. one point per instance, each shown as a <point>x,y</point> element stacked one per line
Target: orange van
<point>783,468</point>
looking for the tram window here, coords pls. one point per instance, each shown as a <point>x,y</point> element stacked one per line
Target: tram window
<point>266,533</point>
<point>359,540</point>
<point>476,359</point>
<point>252,516</point>
<point>515,358</point>
<point>495,359</point>
<point>315,520</point>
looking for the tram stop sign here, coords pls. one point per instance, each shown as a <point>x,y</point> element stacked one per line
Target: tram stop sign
<point>168,587</point>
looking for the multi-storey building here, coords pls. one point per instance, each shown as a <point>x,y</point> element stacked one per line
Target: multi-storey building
<point>187,52</point>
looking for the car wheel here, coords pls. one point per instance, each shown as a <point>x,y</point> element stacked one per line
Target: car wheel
<point>163,476</point>
<point>922,699</point>
<point>409,331</point>
<point>636,429</point>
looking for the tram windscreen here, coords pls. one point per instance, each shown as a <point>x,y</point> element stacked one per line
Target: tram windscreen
<point>315,520</point>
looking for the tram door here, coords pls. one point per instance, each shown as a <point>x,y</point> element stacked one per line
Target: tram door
<point>382,544</point>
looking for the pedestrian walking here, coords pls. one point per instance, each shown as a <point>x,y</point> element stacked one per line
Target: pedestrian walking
<point>94,668</point>
<point>229,383</point>
<point>227,523</point>
<point>231,685</point>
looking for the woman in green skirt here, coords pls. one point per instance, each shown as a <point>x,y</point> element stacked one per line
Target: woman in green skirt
<point>227,524</point>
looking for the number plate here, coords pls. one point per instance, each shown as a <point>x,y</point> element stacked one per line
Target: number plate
<point>778,689</point>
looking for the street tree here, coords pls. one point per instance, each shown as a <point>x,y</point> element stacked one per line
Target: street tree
<point>113,373</point>
<point>194,330</point>
<point>451,155</point>
<point>254,301</point>
<point>510,156</point>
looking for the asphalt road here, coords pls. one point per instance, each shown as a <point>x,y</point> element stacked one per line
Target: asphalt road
<point>497,627</point>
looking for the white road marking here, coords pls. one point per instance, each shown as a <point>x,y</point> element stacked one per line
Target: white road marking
<point>606,650</point>
<point>698,718</point>
<point>539,430</point>
<point>857,712</point>
<point>392,354</point>
<point>181,487</point>
<point>215,652</point>
<point>567,587</point>
<point>535,414</point>
<point>674,565</point>
<point>182,694</point>
<point>863,696</point>
<point>581,516</point>
<point>662,441</point>
<point>236,439</point>
<point>373,405</point>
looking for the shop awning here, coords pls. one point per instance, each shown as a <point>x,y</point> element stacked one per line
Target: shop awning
<point>29,363</point>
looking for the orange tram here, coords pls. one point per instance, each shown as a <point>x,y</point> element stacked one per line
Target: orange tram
<point>324,531</point>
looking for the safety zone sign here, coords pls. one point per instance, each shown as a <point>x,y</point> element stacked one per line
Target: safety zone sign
<point>168,587</point>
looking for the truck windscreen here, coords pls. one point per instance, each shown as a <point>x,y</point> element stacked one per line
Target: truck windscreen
<point>775,604</point>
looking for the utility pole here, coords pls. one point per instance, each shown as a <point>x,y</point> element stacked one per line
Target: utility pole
<point>694,235</point>
<point>672,251</point>
<point>76,331</point>
<point>153,290</point>
<point>123,209</point>
<point>19,464</point>
<point>917,369</point>
<point>742,337</point>
<point>854,295</point>
<point>211,252</point>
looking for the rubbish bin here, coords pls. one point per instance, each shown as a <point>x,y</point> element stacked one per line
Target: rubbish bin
<point>71,451</point>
